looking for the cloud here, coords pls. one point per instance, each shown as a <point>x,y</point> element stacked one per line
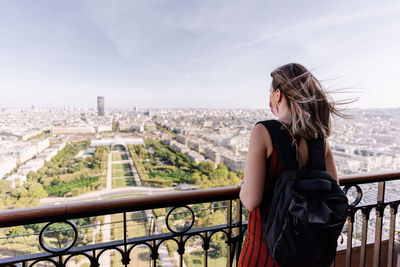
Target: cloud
<point>322,23</point>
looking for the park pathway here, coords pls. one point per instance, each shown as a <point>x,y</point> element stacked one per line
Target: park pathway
<point>105,258</point>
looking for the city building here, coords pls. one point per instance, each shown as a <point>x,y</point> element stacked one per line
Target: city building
<point>100,105</point>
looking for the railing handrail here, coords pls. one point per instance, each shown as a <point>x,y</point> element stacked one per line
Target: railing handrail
<point>15,217</point>
<point>374,177</point>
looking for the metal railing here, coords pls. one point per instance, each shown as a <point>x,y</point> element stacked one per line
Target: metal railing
<point>376,257</point>
<point>232,229</point>
<point>382,250</point>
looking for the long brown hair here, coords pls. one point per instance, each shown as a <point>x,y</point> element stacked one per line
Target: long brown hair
<point>309,105</point>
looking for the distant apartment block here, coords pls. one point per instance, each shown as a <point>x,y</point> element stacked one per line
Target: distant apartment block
<point>137,127</point>
<point>212,154</point>
<point>232,163</point>
<point>7,164</point>
<point>182,139</point>
<point>194,156</point>
<point>103,128</point>
<point>179,147</point>
<point>196,145</point>
<point>119,141</point>
<point>74,130</point>
<point>24,135</point>
<point>29,150</point>
<point>48,154</point>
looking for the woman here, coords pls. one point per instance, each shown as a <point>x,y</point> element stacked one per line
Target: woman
<point>298,101</point>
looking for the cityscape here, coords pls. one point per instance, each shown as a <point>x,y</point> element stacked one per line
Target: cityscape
<point>66,155</point>
<point>366,142</point>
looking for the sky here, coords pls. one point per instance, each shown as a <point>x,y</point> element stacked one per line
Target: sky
<point>197,53</point>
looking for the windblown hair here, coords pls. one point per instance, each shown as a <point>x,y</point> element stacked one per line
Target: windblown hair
<point>309,105</point>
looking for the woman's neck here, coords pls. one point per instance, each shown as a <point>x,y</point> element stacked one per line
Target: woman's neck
<point>284,113</point>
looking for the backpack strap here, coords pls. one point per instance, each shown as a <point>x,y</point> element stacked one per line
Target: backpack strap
<point>280,140</point>
<point>318,153</point>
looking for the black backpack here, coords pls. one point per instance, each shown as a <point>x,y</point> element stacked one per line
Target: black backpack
<point>308,208</point>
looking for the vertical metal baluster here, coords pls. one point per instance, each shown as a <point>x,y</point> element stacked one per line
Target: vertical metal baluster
<point>378,228</point>
<point>94,261</point>
<point>365,218</point>
<point>155,252</point>
<point>127,259</point>
<point>350,221</point>
<point>181,251</point>
<point>239,231</point>
<point>393,213</point>
<point>60,261</point>
<point>205,246</point>
<point>229,237</point>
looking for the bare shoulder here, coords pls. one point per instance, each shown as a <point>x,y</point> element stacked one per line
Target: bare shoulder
<point>261,137</point>
<point>327,148</point>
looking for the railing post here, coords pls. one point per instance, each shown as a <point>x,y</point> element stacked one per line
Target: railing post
<point>239,231</point>
<point>126,258</point>
<point>205,247</point>
<point>60,261</point>
<point>379,220</point>
<point>393,213</point>
<point>365,218</point>
<point>350,222</point>
<point>154,253</point>
<point>181,250</point>
<point>229,260</point>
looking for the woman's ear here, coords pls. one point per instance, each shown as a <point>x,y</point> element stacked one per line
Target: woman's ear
<point>279,95</point>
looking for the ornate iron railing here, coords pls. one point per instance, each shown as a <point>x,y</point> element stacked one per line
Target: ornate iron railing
<point>184,208</point>
<point>61,255</point>
<point>379,252</point>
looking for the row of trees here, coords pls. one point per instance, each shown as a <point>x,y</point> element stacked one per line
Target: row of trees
<point>65,172</point>
<point>27,195</point>
<point>134,151</point>
<point>58,177</point>
<point>162,162</point>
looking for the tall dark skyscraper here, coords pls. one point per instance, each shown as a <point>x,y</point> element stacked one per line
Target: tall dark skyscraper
<point>100,105</point>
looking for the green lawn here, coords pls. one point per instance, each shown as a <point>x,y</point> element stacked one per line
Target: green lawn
<point>120,156</point>
<point>121,170</point>
<point>121,173</point>
<point>122,182</point>
<point>121,166</point>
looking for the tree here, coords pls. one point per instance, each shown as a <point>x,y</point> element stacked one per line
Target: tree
<point>196,178</point>
<point>17,230</point>
<point>32,176</point>
<point>221,172</point>
<point>233,178</point>
<point>206,166</point>
<point>36,190</point>
<point>19,192</point>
